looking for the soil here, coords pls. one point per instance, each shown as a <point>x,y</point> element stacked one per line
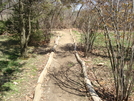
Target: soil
<point>64,81</point>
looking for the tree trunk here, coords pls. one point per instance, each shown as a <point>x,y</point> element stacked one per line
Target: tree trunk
<point>25,26</point>
<point>23,41</point>
<point>87,41</point>
<point>133,6</point>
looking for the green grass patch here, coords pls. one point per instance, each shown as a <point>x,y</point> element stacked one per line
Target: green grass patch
<point>10,65</point>
<point>100,40</point>
<point>2,26</point>
<point>70,64</point>
<point>79,36</point>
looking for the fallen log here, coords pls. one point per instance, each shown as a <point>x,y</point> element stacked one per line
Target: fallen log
<point>89,86</point>
<point>38,90</point>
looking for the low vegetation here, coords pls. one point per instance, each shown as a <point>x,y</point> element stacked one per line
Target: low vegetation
<point>9,63</point>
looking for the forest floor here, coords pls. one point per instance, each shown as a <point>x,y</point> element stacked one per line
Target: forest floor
<point>64,81</point>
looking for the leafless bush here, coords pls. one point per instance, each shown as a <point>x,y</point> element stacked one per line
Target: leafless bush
<point>87,22</point>
<point>117,15</point>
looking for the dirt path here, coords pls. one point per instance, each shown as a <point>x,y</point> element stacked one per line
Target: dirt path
<point>64,81</point>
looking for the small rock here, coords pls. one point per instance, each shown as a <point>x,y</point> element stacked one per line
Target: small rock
<point>15,83</point>
<point>100,64</point>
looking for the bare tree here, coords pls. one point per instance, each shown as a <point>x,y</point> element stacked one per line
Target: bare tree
<point>117,16</point>
<point>87,21</point>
